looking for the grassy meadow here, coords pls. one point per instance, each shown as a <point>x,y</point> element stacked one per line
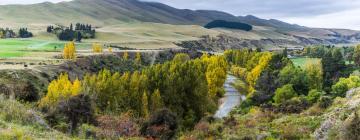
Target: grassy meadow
<point>301,62</point>
<point>13,48</point>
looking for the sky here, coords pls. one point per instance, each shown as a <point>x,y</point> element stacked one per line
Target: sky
<point>311,13</point>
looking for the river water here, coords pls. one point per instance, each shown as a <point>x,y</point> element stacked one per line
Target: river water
<point>232,98</point>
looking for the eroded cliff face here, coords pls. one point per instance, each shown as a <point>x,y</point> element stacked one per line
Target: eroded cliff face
<point>224,42</point>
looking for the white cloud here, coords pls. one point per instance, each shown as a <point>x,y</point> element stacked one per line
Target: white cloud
<point>345,19</point>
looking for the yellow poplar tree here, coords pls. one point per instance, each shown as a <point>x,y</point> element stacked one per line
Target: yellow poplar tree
<point>60,89</point>
<point>145,107</point>
<point>69,50</point>
<point>156,101</point>
<point>138,58</point>
<point>215,74</point>
<point>126,56</point>
<point>255,73</point>
<point>97,48</point>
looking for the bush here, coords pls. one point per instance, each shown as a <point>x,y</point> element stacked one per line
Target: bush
<point>162,125</point>
<point>352,127</point>
<point>87,131</point>
<point>314,95</point>
<point>74,111</point>
<point>344,84</point>
<point>325,101</point>
<point>113,127</point>
<point>284,93</point>
<point>294,105</point>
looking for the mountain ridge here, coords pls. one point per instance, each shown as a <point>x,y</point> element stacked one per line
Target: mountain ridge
<point>112,12</point>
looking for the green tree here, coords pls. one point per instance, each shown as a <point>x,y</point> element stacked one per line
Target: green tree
<point>126,56</point>
<point>314,73</point>
<point>284,93</point>
<point>314,95</point>
<point>156,101</point>
<point>138,58</point>
<point>145,105</point>
<point>357,55</point>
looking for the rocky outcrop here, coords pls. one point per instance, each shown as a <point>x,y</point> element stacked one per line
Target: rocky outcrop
<point>335,117</point>
<point>224,42</point>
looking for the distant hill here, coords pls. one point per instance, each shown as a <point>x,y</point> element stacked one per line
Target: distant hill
<point>105,12</point>
<point>113,12</point>
<point>228,24</point>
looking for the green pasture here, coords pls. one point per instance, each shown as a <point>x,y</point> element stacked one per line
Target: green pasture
<point>10,48</point>
<point>301,62</point>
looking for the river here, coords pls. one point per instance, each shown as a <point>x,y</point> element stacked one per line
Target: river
<point>232,98</point>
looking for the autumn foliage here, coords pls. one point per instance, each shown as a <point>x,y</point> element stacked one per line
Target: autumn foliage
<point>60,89</point>
<point>69,51</point>
<point>97,48</point>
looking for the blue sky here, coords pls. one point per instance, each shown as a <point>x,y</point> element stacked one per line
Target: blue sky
<point>312,13</point>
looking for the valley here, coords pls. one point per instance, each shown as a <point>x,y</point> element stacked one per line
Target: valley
<point>133,69</point>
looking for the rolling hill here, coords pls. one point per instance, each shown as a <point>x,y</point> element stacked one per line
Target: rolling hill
<point>106,14</point>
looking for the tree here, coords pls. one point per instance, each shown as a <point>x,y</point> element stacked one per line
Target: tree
<point>126,56</point>
<point>77,110</point>
<point>333,63</point>
<point>145,107</point>
<point>295,76</point>
<point>78,36</point>
<point>345,84</point>
<point>138,58</point>
<point>162,125</point>
<point>156,101</point>
<point>59,89</point>
<point>69,51</point>
<point>181,58</point>
<point>255,73</point>
<point>215,75</point>
<point>357,55</point>
<point>284,93</point>
<point>97,48</point>
<point>71,27</point>
<point>314,73</point>
<point>314,95</point>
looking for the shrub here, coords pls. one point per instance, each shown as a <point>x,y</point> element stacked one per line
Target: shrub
<point>162,125</point>
<point>325,101</point>
<point>113,127</point>
<point>352,127</point>
<point>87,131</point>
<point>76,110</point>
<point>294,105</point>
<point>284,93</point>
<point>344,84</point>
<point>314,95</point>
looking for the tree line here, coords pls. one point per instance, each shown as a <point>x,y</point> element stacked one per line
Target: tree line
<point>272,81</point>
<point>81,31</point>
<point>9,33</point>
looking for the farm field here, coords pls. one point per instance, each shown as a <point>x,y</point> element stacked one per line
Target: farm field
<point>13,48</point>
<point>301,62</point>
